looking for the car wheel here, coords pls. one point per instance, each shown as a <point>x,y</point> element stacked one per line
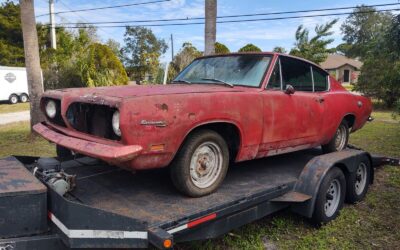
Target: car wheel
<point>23,98</point>
<point>358,182</point>
<point>330,197</point>
<point>339,140</point>
<point>201,164</point>
<point>13,99</point>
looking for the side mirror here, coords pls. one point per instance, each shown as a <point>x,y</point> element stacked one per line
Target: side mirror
<point>289,89</point>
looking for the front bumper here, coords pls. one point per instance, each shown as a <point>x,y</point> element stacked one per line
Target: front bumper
<point>108,153</point>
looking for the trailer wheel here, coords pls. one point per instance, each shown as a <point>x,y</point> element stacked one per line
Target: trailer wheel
<point>358,182</point>
<point>13,99</point>
<point>23,98</point>
<point>64,154</point>
<point>339,140</point>
<point>201,164</point>
<point>330,197</point>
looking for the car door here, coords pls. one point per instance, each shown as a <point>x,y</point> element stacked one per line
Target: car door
<point>292,121</point>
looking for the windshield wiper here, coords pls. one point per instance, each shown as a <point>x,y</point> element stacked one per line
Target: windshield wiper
<point>177,81</point>
<point>217,80</point>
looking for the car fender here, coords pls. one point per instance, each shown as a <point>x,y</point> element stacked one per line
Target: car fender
<point>316,169</point>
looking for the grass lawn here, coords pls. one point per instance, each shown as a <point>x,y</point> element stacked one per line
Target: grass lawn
<point>371,224</point>
<point>10,108</point>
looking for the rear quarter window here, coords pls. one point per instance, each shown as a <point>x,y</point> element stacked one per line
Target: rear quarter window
<point>320,80</point>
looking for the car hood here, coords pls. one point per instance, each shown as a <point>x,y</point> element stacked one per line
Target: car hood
<point>145,90</point>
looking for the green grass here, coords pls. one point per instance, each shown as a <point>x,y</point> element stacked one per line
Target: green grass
<point>10,108</point>
<point>370,224</point>
<point>15,139</point>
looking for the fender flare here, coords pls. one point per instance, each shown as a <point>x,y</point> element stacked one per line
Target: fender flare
<point>316,169</point>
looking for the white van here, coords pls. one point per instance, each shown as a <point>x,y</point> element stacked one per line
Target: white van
<point>13,84</point>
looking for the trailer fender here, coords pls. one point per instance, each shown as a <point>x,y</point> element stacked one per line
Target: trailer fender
<point>314,172</point>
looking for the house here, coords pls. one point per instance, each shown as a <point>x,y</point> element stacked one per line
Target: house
<point>344,69</point>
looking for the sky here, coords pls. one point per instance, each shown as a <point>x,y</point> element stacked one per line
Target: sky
<point>264,34</point>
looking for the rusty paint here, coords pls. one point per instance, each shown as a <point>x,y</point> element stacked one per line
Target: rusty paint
<point>269,122</point>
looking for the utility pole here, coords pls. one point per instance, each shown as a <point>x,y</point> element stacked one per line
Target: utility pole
<point>210,27</point>
<point>52,25</point>
<point>172,47</point>
<point>32,59</point>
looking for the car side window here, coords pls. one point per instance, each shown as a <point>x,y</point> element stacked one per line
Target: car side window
<point>296,73</point>
<point>320,79</point>
<point>275,79</point>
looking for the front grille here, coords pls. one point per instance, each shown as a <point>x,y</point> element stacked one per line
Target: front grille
<point>58,120</point>
<point>92,119</point>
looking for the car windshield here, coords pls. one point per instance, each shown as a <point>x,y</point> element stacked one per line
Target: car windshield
<point>245,70</point>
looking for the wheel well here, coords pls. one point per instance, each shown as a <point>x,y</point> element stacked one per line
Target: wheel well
<point>228,131</point>
<point>350,119</point>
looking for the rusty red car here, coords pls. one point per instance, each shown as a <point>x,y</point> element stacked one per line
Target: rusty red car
<point>220,109</point>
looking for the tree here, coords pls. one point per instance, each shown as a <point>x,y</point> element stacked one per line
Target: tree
<point>11,42</point>
<point>250,48</point>
<point>32,60</point>
<point>362,29</point>
<point>185,56</point>
<point>142,51</point>
<point>279,49</point>
<point>210,31</point>
<point>221,48</point>
<point>380,73</point>
<point>115,47</point>
<point>314,49</point>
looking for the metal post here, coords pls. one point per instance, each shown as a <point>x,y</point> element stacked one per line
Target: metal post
<point>52,25</point>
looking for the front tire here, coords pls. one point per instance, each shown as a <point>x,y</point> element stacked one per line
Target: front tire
<point>201,164</point>
<point>330,197</point>
<point>339,140</point>
<point>13,99</point>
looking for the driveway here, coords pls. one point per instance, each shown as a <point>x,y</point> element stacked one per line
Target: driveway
<point>14,117</point>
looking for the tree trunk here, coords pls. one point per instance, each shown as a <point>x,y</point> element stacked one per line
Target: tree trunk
<point>32,60</point>
<point>210,27</point>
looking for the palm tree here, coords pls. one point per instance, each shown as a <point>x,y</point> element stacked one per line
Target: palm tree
<point>210,27</point>
<point>32,60</point>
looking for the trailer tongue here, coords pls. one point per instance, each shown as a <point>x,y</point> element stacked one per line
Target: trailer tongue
<point>93,205</point>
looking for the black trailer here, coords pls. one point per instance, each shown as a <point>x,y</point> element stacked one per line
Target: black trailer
<point>83,203</point>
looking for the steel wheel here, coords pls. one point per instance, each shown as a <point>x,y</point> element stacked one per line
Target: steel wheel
<point>361,178</point>
<point>341,138</point>
<point>206,164</point>
<point>13,99</point>
<point>333,196</point>
<point>24,98</point>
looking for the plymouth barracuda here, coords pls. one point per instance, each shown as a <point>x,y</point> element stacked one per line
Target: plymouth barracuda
<point>220,109</point>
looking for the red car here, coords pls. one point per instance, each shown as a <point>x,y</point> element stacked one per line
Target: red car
<point>219,109</point>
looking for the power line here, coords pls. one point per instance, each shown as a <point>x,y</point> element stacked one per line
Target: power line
<point>231,21</point>
<point>107,7</point>
<point>233,16</point>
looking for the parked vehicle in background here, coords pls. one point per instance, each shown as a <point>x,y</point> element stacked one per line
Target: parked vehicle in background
<point>13,84</point>
<point>219,109</point>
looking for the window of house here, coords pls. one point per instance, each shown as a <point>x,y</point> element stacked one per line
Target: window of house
<point>296,73</point>
<point>275,79</point>
<point>320,79</point>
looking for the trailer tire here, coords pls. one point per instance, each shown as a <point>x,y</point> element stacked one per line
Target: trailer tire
<point>330,197</point>
<point>63,154</point>
<point>358,181</point>
<point>13,99</point>
<point>201,164</point>
<point>23,98</point>
<point>339,140</point>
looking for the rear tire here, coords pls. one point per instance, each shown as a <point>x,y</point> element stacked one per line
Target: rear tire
<point>339,140</point>
<point>13,99</point>
<point>358,182</point>
<point>23,98</point>
<point>201,164</point>
<point>330,197</point>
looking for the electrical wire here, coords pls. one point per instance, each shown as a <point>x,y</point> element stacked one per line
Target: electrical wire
<point>106,7</point>
<point>233,16</point>
<point>233,21</point>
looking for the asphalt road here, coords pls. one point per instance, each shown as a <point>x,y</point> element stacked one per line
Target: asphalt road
<point>14,117</point>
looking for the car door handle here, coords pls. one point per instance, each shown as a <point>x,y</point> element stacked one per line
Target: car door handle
<point>319,99</point>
